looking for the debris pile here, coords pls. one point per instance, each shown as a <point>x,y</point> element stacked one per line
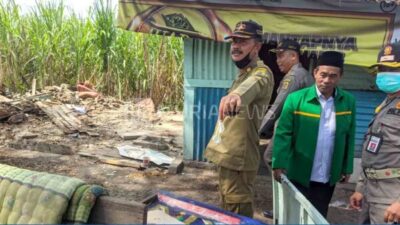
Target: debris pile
<point>78,120</point>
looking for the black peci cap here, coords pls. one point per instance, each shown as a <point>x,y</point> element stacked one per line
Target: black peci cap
<point>331,58</point>
<point>389,56</point>
<point>247,29</point>
<point>287,44</point>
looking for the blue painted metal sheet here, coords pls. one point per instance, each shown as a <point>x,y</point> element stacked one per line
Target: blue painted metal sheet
<point>209,60</point>
<point>205,113</point>
<point>366,102</point>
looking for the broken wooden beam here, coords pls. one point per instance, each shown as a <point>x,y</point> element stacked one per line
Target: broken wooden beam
<point>112,160</point>
<point>62,117</point>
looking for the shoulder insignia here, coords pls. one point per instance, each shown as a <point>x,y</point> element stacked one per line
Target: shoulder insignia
<point>260,71</point>
<point>285,84</point>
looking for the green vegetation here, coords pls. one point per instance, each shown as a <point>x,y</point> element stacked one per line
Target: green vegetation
<point>55,47</point>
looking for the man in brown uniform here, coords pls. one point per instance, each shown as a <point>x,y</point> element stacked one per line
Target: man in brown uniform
<point>377,191</point>
<point>296,78</point>
<point>234,145</point>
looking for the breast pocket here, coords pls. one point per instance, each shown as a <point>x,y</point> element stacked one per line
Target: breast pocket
<point>390,129</point>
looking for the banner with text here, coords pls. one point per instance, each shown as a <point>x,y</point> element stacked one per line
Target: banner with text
<point>359,35</point>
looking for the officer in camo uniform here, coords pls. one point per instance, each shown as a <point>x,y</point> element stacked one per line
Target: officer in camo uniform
<point>234,145</point>
<point>377,191</point>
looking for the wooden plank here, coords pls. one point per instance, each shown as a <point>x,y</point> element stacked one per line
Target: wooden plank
<point>111,210</point>
<point>119,162</point>
<point>71,121</point>
<point>69,116</point>
<point>46,109</point>
<point>34,86</point>
<point>62,117</point>
<point>58,114</point>
<point>112,160</point>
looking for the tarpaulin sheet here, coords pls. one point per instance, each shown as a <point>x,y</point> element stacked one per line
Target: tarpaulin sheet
<point>193,212</point>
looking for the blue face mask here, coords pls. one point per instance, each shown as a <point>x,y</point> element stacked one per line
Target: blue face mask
<point>388,82</point>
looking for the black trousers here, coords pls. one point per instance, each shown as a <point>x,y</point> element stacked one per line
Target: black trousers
<point>319,194</point>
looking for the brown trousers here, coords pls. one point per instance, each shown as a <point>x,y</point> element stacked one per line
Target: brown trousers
<point>237,190</point>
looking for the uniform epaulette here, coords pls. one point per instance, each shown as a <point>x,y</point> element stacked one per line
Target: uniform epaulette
<point>260,71</point>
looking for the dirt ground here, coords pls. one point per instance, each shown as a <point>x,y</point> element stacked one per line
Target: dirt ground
<point>110,118</point>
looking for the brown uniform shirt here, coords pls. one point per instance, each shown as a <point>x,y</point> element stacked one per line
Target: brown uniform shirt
<point>235,142</point>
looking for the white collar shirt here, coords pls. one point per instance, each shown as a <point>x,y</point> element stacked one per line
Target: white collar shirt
<point>326,140</point>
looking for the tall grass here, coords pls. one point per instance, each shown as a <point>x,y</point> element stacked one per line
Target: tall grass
<point>56,47</point>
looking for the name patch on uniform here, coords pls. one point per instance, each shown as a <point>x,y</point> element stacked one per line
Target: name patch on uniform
<point>374,143</point>
<point>394,111</point>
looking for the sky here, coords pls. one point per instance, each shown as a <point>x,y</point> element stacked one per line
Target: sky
<point>80,7</point>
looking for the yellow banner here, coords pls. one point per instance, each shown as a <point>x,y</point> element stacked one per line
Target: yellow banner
<point>358,35</point>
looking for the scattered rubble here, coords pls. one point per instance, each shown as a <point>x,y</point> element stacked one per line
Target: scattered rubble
<point>39,143</point>
<point>63,120</point>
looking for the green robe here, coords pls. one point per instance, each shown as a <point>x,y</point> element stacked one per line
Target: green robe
<point>296,135</point>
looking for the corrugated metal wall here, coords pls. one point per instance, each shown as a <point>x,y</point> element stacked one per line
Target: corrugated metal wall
<point>209,72</point>
<point>206,114</point>
<point>366,102</point>
<point>357,78</point>
<point>210,61</point>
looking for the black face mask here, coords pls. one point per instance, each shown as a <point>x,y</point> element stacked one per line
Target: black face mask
<point>243,62</point>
